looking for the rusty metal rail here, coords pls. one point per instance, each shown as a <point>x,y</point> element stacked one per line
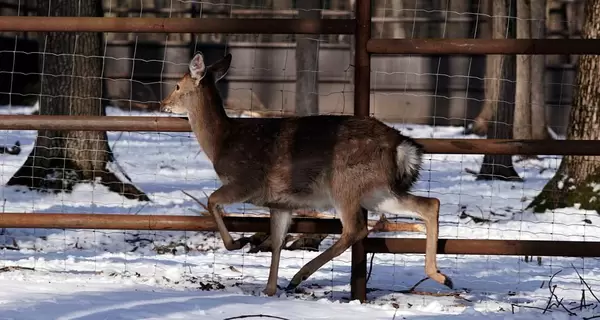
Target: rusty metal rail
<point>299,225</point>
<point>94,123</point>
<point>487,247</point>
<point>483,46</point>
<point>362,99</point>
<point>177,25</point>
<point>158,222</point>
<point>175,124</point>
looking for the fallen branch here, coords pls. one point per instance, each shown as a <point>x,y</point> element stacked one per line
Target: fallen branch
<point>476,219</point>
<point>551,291</point>
<point>14,268</point>
<point>513,305</point>
<point>412,289</point>
<point>585,283</point>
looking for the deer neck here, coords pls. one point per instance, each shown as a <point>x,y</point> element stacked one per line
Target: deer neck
<point>209,122</point>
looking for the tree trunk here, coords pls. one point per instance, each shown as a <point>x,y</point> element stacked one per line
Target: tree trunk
<point>398,31</point>
<point>307,62</point>
<point>539,123</point>
<point>500,167</point>
<point>493,71</point>
<point>71,84</point>
<point>522,121</point>
<point>577,176</point>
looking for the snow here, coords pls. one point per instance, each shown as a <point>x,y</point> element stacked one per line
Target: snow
<point>120,274</point>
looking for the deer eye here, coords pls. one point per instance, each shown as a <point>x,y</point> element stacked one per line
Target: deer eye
<point>177,88</point>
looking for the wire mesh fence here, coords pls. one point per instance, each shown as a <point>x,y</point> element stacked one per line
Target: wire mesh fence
<point>144,173</point>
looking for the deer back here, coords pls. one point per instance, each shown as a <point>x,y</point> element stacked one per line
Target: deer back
<point>296,161</point>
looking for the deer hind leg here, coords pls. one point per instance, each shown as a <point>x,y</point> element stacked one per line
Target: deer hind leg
<point>354,228</point>
<point>427,209</point>
<point>226,194</point>
<point>280,223</point>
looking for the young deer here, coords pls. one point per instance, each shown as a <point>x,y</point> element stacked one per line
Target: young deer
<point>320,162</point>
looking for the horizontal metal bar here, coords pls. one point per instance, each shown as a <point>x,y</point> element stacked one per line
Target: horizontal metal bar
<point>487,247</point>
<point>94,123</point>
<point>258,12</point>
<point>511,146</point>
<point>483,46</point>
<point>139,10</point>
<point>178,25</point>
<point>299,225</point>
<point>181,124</point>
<point>158,222</point>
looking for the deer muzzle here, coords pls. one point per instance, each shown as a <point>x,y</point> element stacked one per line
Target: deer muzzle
<point>165,107</point>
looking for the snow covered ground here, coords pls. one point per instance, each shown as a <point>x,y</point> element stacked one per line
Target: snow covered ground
<point>100,274</point>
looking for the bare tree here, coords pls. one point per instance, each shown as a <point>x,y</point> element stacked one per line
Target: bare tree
<point>500,167</point>
<point>539,122</point>
<point>389,9</point>
<point>530,109</point>
<point>493,70</point>
<point>522,121</point>
<point>71,84</point>
<point>307,62</point>
<point>577,176</point>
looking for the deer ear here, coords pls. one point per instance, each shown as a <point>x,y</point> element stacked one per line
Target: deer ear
<point>220,68</point>
<point>197,66</point>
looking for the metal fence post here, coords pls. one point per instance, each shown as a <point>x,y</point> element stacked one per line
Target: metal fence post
<point>362,90</point>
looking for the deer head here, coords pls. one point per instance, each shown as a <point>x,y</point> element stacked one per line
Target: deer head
<point>196,86</point>
<point>196,95</point>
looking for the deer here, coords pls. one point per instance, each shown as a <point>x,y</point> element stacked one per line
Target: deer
<point>341,162</point>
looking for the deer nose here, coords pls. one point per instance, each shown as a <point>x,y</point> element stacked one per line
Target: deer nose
<point>164,107</point>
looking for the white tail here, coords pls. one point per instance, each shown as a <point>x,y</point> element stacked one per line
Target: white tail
<point>320,162</point>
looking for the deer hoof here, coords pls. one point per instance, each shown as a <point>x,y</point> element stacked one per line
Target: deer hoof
<point>448,283</point>
<point>237,244</point>
<point>442,279</point>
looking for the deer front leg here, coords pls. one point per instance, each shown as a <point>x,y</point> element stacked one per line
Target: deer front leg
<point>280,223</point>
<point>226,194</point>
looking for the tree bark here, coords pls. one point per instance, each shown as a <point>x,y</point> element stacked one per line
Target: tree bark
<point>398,31</point>
<point>539,127</point>
<point>71,84</point>
<point>493,71</point>
<point>391,9</point>
<point>307,62</point>
<point>576,180</point>
<point>500,167</point>
<point>522,121</point>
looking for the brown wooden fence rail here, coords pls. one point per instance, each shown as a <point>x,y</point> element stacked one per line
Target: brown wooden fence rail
<point>365,46</point>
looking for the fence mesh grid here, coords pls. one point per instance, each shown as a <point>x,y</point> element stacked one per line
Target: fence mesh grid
<point>423,96</point>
